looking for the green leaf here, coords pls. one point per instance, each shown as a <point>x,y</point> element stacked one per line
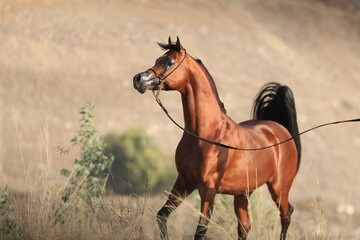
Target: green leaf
<point>65,172</point>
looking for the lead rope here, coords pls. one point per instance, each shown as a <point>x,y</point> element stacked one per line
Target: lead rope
<point>156,95</point>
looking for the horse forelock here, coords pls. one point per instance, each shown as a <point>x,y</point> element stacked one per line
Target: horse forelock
<point>169,47</point>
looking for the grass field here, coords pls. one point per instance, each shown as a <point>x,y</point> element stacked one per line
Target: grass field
<point>40,213</point>
<point>45,216</point>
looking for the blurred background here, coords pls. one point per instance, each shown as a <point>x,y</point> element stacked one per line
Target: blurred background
<point>57,55</point>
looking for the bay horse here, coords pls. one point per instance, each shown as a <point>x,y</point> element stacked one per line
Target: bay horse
<point>211,169</point>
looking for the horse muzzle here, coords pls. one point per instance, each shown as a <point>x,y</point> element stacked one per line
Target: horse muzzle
<point>144,81</point>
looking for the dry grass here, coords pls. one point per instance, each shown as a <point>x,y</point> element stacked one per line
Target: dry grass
<point>41,214</point>
<point>45,216</point>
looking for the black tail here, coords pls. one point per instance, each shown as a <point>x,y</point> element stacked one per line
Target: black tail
<point>276,102</point>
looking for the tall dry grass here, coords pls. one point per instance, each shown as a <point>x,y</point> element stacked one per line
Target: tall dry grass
<point>45,216</point>
<point>42,214</point>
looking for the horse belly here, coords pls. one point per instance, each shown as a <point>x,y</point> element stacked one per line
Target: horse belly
<point>245,175</point>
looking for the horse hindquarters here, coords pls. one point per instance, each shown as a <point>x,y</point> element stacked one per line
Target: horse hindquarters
<point>276,102</point>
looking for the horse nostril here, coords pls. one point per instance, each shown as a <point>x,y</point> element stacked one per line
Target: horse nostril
<point>137,78</point>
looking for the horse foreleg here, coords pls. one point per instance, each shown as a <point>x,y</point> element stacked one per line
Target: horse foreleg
<point>175,198</point>
<point>241,203</point>
<point>207,196</point>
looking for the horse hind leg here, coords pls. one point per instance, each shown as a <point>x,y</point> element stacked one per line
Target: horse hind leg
<point>241,203</point>
<point>281,199</point>
<point>285,216</point>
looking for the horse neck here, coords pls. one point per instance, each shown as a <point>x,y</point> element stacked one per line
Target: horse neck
<point>201,103</point>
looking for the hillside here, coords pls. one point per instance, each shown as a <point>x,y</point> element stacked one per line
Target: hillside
<point>57,55</point>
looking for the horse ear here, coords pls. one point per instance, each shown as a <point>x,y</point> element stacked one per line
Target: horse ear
<point>169,40</point>
<point>178,44</point>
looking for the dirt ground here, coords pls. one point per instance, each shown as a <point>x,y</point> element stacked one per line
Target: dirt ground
<point>57,55</point>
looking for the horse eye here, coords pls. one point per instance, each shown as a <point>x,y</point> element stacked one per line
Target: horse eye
<point>169,62</point>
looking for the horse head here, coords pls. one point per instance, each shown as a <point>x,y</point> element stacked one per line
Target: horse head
<point>167,73</point>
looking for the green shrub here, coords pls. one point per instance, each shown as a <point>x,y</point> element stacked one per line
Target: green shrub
<point>138,165</point>
<point>90,172</point>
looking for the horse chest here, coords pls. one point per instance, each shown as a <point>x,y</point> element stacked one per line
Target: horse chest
<point>197,166</point>
<point>188,163</point>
